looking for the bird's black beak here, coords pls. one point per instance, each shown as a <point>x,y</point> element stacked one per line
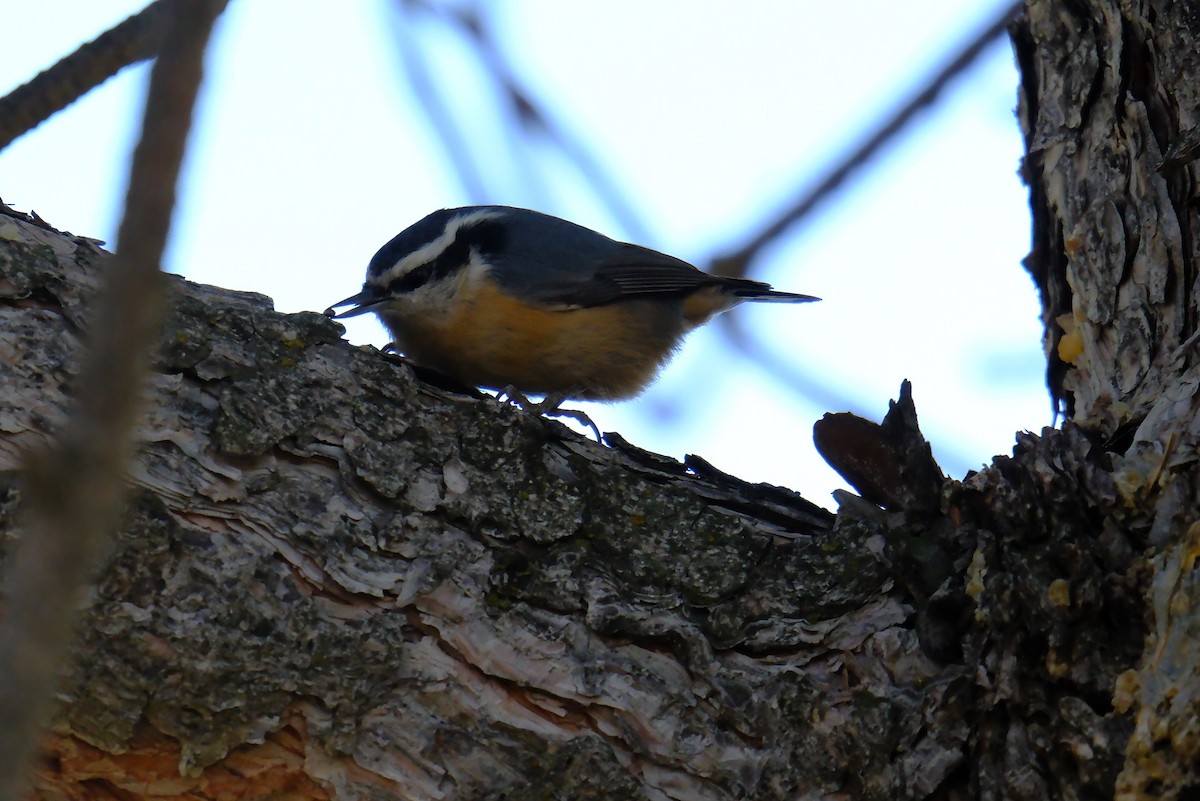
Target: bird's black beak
<point>362,303</point>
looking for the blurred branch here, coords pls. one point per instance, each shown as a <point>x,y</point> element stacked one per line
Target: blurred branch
<point>136,39</point>
<point>536,118</point>
<point>533,116</point>
<point>439,114</point>
<point>74,491</point>
<point>737,262</point>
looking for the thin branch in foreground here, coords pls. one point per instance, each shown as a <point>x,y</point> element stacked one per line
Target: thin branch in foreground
<point>74,491</point>
<point>50,91</point>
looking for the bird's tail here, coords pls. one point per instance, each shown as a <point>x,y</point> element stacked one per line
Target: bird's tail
<point>761,292</point>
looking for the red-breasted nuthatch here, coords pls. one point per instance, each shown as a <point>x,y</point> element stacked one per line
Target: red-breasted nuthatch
<point>512,299</point>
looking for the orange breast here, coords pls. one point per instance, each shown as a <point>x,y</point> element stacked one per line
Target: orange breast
<point>490,339</point>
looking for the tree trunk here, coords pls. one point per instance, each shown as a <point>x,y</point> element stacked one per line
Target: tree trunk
<point>1109,104</point>
<point>340,580</point>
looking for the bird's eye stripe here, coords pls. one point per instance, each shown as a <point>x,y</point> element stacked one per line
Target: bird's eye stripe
<point>411,280</point>
<point>483,235</point>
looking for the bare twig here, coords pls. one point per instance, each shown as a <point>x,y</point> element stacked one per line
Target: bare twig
<point>533,117</point>
<point>737,262</point>
<point>75,490</point>
<point>538,120</point>
<point>437,111</point>
<point>136,39</point>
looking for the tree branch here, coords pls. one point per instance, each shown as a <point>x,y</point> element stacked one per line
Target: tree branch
<point>136,39</point>
<point>76,488</point>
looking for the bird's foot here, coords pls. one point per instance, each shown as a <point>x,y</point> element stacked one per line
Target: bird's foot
<point>549,407</point>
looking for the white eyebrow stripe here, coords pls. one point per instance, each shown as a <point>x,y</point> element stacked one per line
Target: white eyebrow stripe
<point>429,252</point>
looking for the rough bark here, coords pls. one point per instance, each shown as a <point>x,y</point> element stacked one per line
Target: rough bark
<point>362,584</point>
<point>1109,107</point>
<point>1109,103</point>
<point>342,581</point>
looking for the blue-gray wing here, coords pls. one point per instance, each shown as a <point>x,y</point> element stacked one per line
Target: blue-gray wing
<point>560,263</point>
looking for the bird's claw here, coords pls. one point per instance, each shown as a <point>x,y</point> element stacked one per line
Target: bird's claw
<point>548,407</point>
